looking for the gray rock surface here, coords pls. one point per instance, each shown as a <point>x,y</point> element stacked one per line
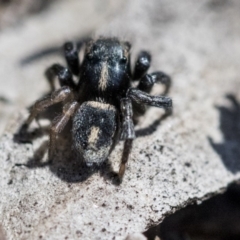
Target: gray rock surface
<point>182,159</point>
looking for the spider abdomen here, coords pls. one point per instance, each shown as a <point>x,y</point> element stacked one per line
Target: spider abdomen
<point>94,129</point>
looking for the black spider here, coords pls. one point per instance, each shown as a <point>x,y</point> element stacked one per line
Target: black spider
<point>101,102</point>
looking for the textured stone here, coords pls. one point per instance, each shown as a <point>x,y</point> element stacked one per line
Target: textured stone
<point>182,159</point>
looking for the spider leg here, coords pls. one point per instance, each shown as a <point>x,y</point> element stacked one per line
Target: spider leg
<point>127,129</point>
<point>59,124</point>
<point>142,65</point>
<point>71,55</point>
<point>59,95</point>
<point>141,97</point>
<point>64,76</point>
<point>126,152</point>
<point>146,82</point>
<point>127,133</point>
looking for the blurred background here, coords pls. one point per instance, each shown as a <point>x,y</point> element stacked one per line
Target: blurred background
<point>13,11</point>
<point>197,43</point>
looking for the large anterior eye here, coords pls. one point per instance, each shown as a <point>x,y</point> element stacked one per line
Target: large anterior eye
<point>123,60</point>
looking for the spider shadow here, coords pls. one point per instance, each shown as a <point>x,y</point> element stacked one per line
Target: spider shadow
<point>4,100</point>
<point>23,136</point>
<point>52,50</point>
<point>153,126</point>
<point>69,167</point>
<point>66,164</point>
<point>229,150</point>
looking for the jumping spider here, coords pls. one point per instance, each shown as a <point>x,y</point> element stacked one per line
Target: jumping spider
<point>103,102</point>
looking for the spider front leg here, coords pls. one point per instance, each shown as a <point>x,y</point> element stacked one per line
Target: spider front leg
<point>64,76</point>
<point>142,65</point>
<point>59,124</point>
<point>57,96</point>
<point>146,82</point>
<point>141,97</point>
<point>71,52</point>
<point>127,133</point>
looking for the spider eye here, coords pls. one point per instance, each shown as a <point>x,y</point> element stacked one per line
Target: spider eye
<point>123,60</point>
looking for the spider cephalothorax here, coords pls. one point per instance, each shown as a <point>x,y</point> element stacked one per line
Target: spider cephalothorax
<point>102,102</point>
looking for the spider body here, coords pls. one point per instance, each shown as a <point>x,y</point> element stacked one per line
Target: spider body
<point>103,102</point>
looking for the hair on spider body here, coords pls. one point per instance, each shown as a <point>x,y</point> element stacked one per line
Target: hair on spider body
<point>102,104</point>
